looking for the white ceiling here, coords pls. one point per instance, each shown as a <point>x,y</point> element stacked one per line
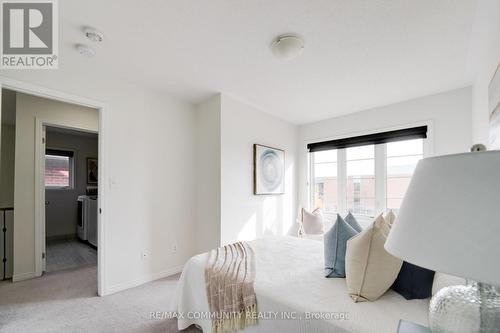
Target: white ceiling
<point>358,54</point>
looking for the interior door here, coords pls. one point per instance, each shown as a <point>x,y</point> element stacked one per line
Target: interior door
<point>44,252</point>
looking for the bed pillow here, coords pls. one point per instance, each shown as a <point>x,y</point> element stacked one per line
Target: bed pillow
<point>335,241</point>
<point>370,269</point>
<point>442,280</point>
<point>312,222</point>
<point>414,282</point>
<point>351,220</point>
<point>390,217</point>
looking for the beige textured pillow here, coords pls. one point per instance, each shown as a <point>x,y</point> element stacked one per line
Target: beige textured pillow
<point>390,217</point>
<point>370,269</point>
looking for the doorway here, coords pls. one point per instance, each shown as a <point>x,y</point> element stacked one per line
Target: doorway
<point>41,123</point>
<point>71,194</point>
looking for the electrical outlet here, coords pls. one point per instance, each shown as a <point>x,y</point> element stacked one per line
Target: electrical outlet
<point>174,248</point>
<point>144,255</point>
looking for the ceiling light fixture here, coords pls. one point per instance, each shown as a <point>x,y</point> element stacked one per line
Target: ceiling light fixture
<point>93,34</point>
<point>85,50</point>
<point>287,47</point>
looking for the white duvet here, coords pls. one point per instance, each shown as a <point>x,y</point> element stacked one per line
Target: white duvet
<point>290,285</point>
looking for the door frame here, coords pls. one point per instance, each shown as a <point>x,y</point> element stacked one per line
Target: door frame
<point>39,209</point>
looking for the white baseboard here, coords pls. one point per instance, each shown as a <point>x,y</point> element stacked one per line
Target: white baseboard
<point>141,280</point>
<point>23,276</point>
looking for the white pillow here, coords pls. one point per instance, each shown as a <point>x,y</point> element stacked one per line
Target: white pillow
<point>312,222</point>
<point>442,280</point>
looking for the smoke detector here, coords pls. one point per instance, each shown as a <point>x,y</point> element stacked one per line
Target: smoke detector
<point>287,47</point>
<point>93,34</point>
<point>85,50</point>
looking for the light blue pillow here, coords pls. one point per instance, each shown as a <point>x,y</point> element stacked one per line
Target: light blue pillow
<point>351,220</point>
<point>335,244</point>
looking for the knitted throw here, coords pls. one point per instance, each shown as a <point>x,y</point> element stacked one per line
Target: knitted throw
<point>229,278</point>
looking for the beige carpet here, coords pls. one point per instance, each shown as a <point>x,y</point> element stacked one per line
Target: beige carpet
<point>66,301</point>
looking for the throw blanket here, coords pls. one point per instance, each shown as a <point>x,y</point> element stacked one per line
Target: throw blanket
<point>229,278</point>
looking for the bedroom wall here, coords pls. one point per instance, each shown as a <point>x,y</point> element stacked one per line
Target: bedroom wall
<point>449,113</point>
<point>484,58</point>
<point>149,198</point>
<point>61,213</point>
<point>28,109</point>
<point>244,215</point>
<point>208,180</point>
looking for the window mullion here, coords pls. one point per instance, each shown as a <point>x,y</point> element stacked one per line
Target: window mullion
<point>342,181</point>
<point>380,178</point>
<point>311,182</point>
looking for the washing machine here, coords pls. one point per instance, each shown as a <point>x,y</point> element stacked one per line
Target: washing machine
<point>87,219</point>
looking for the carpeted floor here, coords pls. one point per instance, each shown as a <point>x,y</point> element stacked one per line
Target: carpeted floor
<point>66,301</point>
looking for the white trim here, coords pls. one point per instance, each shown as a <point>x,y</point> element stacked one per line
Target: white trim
<point>103,108</point>
<point>23,276</point>
<point>39,197</point>
<point>143,279</point>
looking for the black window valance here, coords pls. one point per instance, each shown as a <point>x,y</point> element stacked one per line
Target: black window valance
<point>370,139</point>
<point>57,152</point>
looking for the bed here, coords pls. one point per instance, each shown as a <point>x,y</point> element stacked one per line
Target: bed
<point>289,284</point>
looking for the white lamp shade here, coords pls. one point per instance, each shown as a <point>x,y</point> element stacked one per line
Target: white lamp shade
<point>449,220</point>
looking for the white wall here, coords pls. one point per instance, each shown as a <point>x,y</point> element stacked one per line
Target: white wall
<point>484,58</point>
<point>150,146</point>
<point>61,213</point>
<point>245,215</point>
<point>28,109</point>
<point>208,180</point>
<point>449,114</point>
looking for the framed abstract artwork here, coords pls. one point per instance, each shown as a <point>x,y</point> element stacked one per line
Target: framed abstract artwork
<point>494,107</point>
<point>268,170</point>
<point>92,171</point>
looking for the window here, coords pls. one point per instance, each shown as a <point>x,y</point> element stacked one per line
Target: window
<point>325,181</point>
<point>360,190</point>
<point>364,180</point>
<point>402,158</point>
<point>58,169</point>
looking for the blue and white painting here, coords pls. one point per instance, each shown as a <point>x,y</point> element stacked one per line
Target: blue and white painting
<point>269,170</point>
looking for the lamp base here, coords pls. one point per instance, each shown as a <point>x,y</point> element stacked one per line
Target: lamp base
<point>467,309</point>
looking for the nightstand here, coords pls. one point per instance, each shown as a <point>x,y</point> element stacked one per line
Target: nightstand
<point>409,327</point>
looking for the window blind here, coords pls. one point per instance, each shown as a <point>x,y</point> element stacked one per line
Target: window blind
<point>56,152</point>
<point>370,139</point>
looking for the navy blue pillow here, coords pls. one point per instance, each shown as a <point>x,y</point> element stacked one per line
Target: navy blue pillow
<point>414,282</point>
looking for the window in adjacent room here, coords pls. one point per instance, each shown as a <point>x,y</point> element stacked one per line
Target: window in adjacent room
<point>365,179</point>
<point>59,169</point>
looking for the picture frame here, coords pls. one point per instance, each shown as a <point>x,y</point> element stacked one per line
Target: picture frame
<point>92,171</point>
<point>268,170</point>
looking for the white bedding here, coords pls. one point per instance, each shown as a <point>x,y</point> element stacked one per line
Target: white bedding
<point>290,278</point>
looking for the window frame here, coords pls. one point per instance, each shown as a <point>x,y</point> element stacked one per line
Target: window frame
<point>72,170</point>
<point>380,157</point>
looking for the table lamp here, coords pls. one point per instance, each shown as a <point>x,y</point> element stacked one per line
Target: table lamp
<point>449,222</point>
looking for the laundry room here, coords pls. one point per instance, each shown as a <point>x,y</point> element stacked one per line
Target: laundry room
<point>70,198</point>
